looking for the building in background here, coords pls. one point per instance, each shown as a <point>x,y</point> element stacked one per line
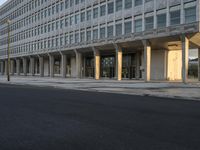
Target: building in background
<point>119,39</point>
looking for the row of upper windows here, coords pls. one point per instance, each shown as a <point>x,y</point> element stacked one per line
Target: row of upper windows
<point>35,3</point>
<point>56,8</point>
<point>9,6</point>
<point>190,16</point>
<point>75,18</point>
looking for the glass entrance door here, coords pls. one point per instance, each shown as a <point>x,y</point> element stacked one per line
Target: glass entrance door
<point>108,67</point>
<point>89,67</point>
<point>129,66</point>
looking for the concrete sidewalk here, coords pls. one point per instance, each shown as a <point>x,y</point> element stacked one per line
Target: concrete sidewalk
<point>160,89</point>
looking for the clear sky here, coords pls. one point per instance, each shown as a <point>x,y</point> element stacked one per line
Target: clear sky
<point>2,1</point>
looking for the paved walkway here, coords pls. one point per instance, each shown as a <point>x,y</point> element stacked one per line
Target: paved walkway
<point>160,89</point>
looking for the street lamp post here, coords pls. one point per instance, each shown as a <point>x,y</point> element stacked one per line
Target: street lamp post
<point>8,52</point>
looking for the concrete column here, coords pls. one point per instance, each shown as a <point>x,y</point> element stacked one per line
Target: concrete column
<point>51,65</point>
<point>185,54</point>
<point>25,66</point>
<point>199,63</point>
<point>32,66</point>
<point>78,64</point>
<point>97,64</point>
<point>2,68</point>
<point>64,65</point>
<point>12,67</point>
<point>137,65</point>
<point>147,60</point>
<point>118,63</point>
<point>6,63</point>
<point>41,66</point>
<point>18,66</point>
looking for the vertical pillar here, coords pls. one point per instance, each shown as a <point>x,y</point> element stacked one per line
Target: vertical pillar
<point>25,66</point>
<point>78,64</point>
<point>18,66</point>
<point>41,66</point>
<point>199,63</point>
<point>97,64</point>
<point>64,65</point>
<point>2,68</point>
<point>147,60</point>
<point>138,65</point>
<point>185,54</point>
<point>6,71</point>
<point>12,67</point>
<point>118,62</point>
<point>32,66</point>
<point>51,65</point>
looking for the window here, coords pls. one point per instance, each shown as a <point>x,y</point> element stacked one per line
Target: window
<point>138,25</point>
<point>103,10</point>
<point>149,23</point>
<point>57,8</point>
<point>57,42</point>
<point>61,6</point>
<point>61,41</point>
<point>53,26</point>
<point>76,2</point>
<point>118,28</point>
<point>110,31</point>
<point>66,39</point>
<point>71,3</point>
<point>138,2</point>
<point>66,22</point>
<point>161,20</point>
<point>76,37</point>
<point>127,27</point>
<point>95,34</point>
<point>190,15</point>
<point>82,16</point>
<point>57,25</point>
<point>127,4</point>
<point>82,36</point>
<point>110,8</point>
<point>118,4</point>
<point>95,12</point>
<point>71,20</point>
<point>71,38</point>
<point>175,17</point>
<point>66,4</point>
<point>88,36</point>
<point>102,32</point>
<point>77,19</point>
<point>61,23</point>
<point>89,15</point>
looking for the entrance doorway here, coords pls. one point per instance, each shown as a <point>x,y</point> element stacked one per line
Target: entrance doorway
<point>129,66</point>
<point>108,66</point>
<point>89,67</point>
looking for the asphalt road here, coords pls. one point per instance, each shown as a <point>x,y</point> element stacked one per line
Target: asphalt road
<point>33,118</point>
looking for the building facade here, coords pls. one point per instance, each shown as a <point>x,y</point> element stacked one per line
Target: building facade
<point>119,39</point>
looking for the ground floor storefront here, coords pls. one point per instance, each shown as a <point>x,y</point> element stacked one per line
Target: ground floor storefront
<point>142,60</point>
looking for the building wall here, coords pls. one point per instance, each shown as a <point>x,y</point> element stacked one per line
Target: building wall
<point>29,24</point>
<point>158,65</point>
<point>174,66</point>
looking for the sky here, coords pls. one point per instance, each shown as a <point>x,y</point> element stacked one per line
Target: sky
<point>2,1</point>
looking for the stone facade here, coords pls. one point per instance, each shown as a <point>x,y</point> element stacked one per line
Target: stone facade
<point>135,39</point>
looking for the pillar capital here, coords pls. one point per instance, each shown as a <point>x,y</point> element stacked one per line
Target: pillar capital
<point>117,47</point>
